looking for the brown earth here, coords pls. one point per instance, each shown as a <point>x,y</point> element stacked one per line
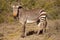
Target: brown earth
<point>13,31</point>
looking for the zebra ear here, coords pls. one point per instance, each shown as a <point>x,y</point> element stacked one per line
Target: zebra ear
<point>13,6</point>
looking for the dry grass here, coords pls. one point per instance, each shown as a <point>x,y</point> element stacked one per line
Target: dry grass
<point>13,31</point>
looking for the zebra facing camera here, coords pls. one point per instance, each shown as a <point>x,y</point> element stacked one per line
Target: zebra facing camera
<point>30,16</point>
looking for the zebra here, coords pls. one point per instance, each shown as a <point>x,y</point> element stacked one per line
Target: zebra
<point>38,16</point>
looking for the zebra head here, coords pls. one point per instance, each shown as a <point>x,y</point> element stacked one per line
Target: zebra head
<point>16,8</point>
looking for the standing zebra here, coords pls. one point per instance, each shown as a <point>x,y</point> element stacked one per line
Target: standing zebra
<point>30,16</point>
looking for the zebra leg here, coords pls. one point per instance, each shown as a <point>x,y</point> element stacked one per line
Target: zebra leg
<point>44,30</point>
<point>24,27</point>
<point>45,25</point>
<point>40,27</point>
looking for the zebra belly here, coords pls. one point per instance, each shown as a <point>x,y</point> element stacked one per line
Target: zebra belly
<point>31,21</point>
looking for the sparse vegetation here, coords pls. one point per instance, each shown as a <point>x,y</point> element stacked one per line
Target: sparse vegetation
<point>13,31</point>
<point>51,6</point>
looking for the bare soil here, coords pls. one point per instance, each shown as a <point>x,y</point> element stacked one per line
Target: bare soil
<point>13,31</point>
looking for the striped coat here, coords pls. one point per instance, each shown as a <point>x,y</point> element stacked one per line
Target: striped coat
<point>30,16</point>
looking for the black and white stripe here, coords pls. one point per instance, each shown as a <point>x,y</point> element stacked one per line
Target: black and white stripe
<point>43,16</point>
<point>43,22</point>
<point>30,16</point>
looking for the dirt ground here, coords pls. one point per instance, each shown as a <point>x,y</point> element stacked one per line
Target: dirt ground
<point>13,31</point>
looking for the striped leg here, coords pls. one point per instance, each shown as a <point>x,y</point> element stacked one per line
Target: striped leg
<point>40,27</point>
<point>44,26</point>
